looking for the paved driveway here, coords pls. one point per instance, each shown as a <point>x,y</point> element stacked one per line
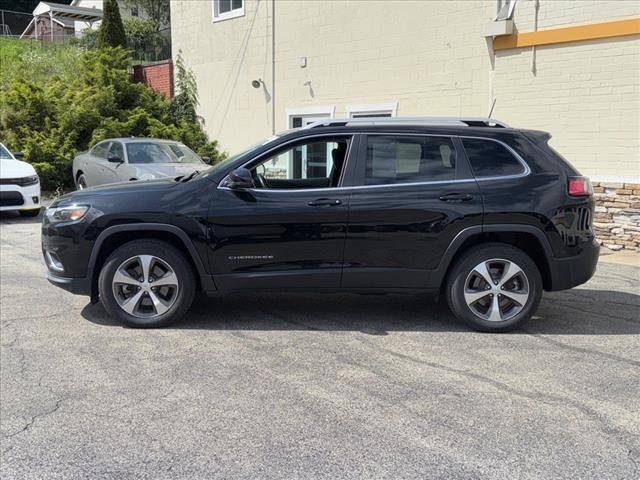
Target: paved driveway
<point>314,386</point>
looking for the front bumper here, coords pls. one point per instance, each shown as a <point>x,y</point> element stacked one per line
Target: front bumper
<point>77,286</point>
<point>15,197</point>
<point>573,271</point>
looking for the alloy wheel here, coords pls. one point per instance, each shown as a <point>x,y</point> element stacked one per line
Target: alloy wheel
<point>496,290</point>
<point>145,286</point>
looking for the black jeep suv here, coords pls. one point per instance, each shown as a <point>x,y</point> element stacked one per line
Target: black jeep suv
<point>487,215</point>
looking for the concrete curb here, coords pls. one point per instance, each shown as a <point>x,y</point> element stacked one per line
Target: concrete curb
<point>622,257</point>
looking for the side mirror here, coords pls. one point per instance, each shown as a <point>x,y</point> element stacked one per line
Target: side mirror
<point>239,179</point>
<point>114,159</point>
<point>206,160</point>
<point>18,155</point>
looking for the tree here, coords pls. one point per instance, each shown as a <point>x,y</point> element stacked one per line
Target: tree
<point>111,30</point>
<point>185,102</point>
<point>157,10</point>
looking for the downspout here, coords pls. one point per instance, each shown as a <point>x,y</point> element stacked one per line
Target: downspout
<point>273,67</point>
<point>534,66</point>
<point>51,25</point>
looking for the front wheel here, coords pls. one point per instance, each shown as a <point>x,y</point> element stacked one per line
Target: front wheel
<point>494,288</point>
<point>147,284</point>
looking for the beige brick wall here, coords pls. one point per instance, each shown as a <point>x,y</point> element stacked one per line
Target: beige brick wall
<point>431,58</point>
<point>587,94</point>
<point>357,52</point>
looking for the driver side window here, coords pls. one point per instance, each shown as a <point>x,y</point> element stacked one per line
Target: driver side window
<point>316,163</point>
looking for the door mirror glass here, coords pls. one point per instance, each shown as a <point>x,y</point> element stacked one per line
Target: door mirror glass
<point>114,159</point>
<point>240,178</point>
<point>206,160</point>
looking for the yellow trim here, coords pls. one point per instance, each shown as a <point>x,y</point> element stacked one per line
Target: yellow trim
<point>593,31</point>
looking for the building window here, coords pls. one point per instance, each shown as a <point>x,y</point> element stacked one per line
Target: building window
<point>134,10</point>
<point>226,9</point>
<point>372,110</point>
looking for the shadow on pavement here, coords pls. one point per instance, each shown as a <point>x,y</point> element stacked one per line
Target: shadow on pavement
<point>573,312</point>
<point>12,218</point>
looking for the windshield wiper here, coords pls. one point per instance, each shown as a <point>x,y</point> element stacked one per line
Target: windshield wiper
<point>189,177</point>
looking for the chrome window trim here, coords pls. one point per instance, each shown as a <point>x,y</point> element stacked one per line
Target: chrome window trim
<point>526,171</point>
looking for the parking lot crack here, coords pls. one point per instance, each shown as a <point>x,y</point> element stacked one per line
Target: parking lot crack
<point>587,351</point>
<point>35,417</point>
<point>606,426</point>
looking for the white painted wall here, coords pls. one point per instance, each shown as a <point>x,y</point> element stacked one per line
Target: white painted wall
<point>430,58</point>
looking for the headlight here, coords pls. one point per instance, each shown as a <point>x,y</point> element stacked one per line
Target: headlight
<point>72,213</point>
<point>32,180</point>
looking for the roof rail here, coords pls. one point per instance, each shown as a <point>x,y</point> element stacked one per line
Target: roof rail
<point>435,121</point>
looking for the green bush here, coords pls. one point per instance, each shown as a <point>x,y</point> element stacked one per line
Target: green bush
<point>51,118</point>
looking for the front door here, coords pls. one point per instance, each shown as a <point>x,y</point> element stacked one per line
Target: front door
<point>415,195</point>
<point>289,230</point>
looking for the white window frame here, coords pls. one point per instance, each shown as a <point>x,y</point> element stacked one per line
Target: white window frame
<point>220,17</point>
<point>372,108</point>
<point>328,110</point>
<point>323,110</point>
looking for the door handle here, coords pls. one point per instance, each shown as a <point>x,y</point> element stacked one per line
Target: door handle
<point>456,197</point>
<point>324,202</point>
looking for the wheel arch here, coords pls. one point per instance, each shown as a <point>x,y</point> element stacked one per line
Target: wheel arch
<point>117,235</point>
<point>531,240</point>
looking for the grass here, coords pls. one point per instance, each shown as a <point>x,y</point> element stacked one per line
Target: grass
<point>36,60</point>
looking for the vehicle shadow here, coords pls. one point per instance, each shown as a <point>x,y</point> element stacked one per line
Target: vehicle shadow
<point>573,312</point>
<point>12,218</point>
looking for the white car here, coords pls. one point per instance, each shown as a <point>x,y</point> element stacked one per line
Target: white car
<point>19,185</point>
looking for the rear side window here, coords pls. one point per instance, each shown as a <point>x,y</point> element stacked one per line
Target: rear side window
<point>100,150</point>
<point>491,159</point>
<point>396,159</point>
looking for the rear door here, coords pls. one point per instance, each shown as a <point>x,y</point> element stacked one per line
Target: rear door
<point>92,165</point>
<point>113,172</point>
<point>415,194</point>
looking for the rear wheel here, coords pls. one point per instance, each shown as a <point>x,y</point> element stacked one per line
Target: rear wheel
<point>147,283</point>
<point>494,288</point>
<point>81,182</point>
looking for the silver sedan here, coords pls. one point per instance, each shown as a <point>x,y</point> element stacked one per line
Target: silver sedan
<point>123,159</point>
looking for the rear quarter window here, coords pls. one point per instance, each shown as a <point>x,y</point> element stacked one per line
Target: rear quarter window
<point>491,159</point>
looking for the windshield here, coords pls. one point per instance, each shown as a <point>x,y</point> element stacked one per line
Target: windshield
<point>4,153</point>
<point>161,152</point>
<point>228,161</point>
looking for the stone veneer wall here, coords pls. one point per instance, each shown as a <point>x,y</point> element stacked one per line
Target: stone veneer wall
<point>617,215</point>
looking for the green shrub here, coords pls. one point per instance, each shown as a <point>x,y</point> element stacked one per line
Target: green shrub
<point>51,118</point>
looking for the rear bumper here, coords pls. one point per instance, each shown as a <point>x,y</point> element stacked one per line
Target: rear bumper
<point>77,286</point>
<point>573,271</point>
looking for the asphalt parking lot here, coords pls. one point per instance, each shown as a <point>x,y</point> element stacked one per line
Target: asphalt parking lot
<point>312,386</point>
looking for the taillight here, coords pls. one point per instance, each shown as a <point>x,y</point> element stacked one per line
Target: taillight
<point>580,187</point>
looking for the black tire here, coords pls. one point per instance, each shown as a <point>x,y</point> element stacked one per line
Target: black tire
<point>30,213</point>
<point>81,182</point>
<point>461,277</point>
<point>172,257</point>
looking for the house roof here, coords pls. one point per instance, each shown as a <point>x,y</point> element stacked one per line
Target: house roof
<point>60,11</point>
